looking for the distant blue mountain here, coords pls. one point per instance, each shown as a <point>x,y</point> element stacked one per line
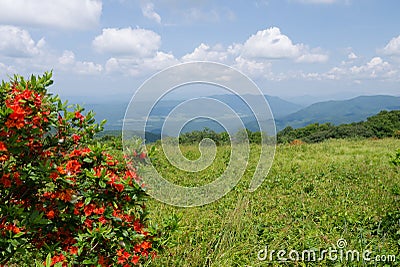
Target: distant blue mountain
<point>285,113</point>
<point>339,112</point>
<point>114,111</point>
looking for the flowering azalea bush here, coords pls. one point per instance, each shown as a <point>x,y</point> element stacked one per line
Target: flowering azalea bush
<point>63,199</point>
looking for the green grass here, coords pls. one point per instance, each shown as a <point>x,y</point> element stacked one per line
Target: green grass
<point>313,195</point>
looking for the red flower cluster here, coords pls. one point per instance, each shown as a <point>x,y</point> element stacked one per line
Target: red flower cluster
<point>26,106</point>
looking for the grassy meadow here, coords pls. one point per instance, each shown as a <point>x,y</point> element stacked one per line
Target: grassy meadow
<point>314,195</point>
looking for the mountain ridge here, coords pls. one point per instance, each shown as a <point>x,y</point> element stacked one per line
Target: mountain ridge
<point>285,112</point>
<point>340,111</point>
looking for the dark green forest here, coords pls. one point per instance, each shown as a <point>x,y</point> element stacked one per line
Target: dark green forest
<point>384,124</point>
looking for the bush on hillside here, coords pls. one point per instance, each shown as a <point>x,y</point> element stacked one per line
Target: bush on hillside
<point>63,198</point>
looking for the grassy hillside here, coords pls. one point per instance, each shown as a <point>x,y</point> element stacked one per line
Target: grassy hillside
<point>314,195</point>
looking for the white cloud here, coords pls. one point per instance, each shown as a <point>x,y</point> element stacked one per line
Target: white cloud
<point>148,12</point>
<point>393,47</point>
<point>112,65</point>
<point>372,68</point>
<point>160,61</point>
<point>67,62</point>
<point>85,67</point>
<point>252,67</point>
<point>127,41</point>
<point>69,14</point>
<point>352,56</point>
<point>16,42</point>
<point>67,58</point>
<point>312,58</point>
<point>255,56</point>
<point>376,68</point>
<point>205,52</point>
<point>140,66</point>
<point>270,43</point>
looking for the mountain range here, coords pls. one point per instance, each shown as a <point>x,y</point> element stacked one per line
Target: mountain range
<point>286,113</point>
<point>340,111</point>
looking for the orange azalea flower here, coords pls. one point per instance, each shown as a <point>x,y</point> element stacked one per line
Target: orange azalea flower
<point>89,209</point>
<point>5,180</point>
<point>50,214</point>
<point>119,187</point>
<point>16,124</point>
<point>145,245</point>
<point>79,116</point>
<point>54,176</point>
<point>61,170</point>
<point>66,195</point>
<point>17,179</point>
<point>3,146</point>
<point>99,210</point>
<point>73,166</point>
<point>102,220</point>
<point>76,138</point>
<point>57,258</point>
<point>88,223</point>
<point>102,261</point>
<point>135,259</point>
<point>73,250</point>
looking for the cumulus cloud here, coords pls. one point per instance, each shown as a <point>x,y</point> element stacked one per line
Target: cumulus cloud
<point>137,51</point>
<point>393,47</point>
<point>68,14</point>
<point>252,67</point>
<point>16,42</point>
<point>127,41</point>
<point>372,68</point>
<point>270,43</point>
<point>255,55</point>
<point>139,66</point>
<point>376,68</point>
<point>352,56</point>
<point>68,62</point>
<point>205,52</point>
<point>148,12</point>
<point>67,58</point>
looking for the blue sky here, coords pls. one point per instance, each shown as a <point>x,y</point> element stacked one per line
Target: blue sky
<point>101,49</point>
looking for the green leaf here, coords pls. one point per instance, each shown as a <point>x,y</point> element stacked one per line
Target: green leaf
<point>87,201</point>
<point>19,234</point>
<point>87,160</point>
<point>102,184</point>
<point>89,261</point>
<point>48,260</point>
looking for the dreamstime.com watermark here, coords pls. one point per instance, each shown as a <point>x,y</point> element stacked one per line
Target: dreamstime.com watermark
<point>336,253</point>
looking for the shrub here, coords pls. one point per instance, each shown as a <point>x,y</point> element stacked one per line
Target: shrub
<point>396,159</point>
<point>62,196</point>
<point>296,142</point>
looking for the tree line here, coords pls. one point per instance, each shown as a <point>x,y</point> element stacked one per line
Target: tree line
<point>384,124</point>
